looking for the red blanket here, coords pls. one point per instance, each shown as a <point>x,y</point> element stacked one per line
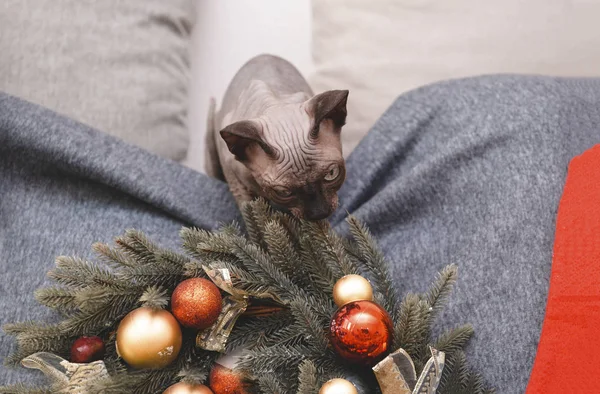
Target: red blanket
<point>568,357</point>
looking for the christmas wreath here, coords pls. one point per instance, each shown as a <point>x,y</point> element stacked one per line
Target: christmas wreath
<point>296,307</point>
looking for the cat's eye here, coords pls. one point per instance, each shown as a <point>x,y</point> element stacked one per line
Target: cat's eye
<point>282,192</point>
<point>333,173</point>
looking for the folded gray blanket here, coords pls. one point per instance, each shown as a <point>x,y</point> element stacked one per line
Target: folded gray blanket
<point>467,172</point>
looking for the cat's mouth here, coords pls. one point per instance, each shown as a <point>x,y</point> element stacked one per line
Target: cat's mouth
<point>315,211</point>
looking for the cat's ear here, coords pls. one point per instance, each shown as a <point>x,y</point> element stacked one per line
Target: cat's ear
<point>242,136</point>
<point>329,105</point>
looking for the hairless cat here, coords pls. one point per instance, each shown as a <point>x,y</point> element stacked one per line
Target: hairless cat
<point>274,138</point>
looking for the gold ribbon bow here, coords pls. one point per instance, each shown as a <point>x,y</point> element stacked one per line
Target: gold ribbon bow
<point>66,377</point>
<point>215,337</point>
<point>396,373</point>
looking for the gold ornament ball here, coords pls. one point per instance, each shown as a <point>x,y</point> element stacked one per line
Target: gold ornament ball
<point>188,388</point>
<point>148,338</point>
<point>352,288</point>
<point>338,386</point>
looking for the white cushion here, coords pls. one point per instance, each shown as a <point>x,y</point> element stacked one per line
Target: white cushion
<point>380,48</point>
<point>119,66</point>
<point>227,35</point>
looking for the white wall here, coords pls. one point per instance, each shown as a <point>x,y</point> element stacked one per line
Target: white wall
<point>230,32</point>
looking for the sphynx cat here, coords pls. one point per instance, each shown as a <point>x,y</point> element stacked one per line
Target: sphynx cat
<point>274,138</point>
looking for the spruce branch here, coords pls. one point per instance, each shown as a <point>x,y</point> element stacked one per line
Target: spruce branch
<point>155,297</point>
<point>454,340</point>
<point>283,253</point>
<point>270,359</point>
<point>135,244</point>
<point>371,256</point>
<point>457,378</point>
<point>440,289</point>
<point>313,325</point>
<point>322,274</point>
<point>94,320</point>
<point>269,384</point>
<point>91,298</point>
<point>78,273</point>
<point>60,298</point>
<point>112,256</point>
<point>259,263</point>
<point>20,388</point>
<point>474,384</point>
<point>411,330</point>
<point>250,221</point>
<point>191,237</point>
<point>455,375</point>
<point>307,378</point>
<point>32,337</point>
<point>332,247</point>
<point>193,375</point>
<point>291,225</point>
<point>250,331</point>
<point>160,273</point>
<point>287,351</point>
<point>231,229</point>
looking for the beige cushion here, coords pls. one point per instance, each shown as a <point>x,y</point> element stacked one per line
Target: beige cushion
<point>119,66</point>
<point>381,48</point>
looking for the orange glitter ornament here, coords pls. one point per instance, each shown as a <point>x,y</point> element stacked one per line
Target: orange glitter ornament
<point>226,381</point>
<point>196,303</point>
<point>361,332</point>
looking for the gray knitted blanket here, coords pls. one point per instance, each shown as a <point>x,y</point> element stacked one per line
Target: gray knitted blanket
<point>467,172</point>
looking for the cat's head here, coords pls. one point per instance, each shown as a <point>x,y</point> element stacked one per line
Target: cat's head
<point>294,153</point>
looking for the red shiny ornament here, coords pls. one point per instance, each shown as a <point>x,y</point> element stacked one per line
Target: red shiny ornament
<point>226,381</point>
<point>87,349</point>
<point>196,303</point>
<point>361,332</point>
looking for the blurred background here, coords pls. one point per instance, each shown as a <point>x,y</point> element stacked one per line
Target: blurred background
<point>143,70</point>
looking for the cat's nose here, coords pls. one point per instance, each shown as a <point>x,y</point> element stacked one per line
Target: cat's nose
<point>317,213</point>
<point>315,217</point>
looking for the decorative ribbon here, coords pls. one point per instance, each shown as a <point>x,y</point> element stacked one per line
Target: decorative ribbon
<point>396,373</point>
<point>66,377</point>
<point>235,304</point>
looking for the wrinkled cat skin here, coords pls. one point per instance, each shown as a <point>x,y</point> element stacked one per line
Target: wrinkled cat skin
<point>274,138</point>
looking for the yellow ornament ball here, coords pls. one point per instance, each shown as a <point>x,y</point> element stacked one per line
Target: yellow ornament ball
<point>338,386</point>
<point>188,388</point>
<point>148,338</point>
<point>352,288</point>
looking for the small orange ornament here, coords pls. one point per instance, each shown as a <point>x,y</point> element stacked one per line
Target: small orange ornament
<point>226,381</point>
<point>187,388</point>
<point>196,303</point>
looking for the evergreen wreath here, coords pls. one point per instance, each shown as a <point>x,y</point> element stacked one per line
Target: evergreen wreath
<point>287,349</point>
